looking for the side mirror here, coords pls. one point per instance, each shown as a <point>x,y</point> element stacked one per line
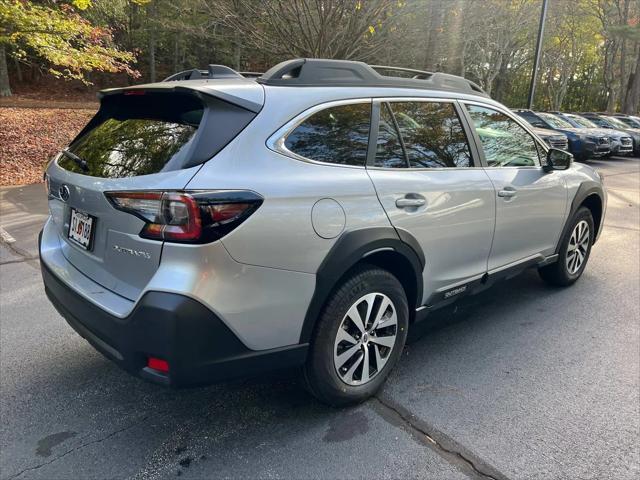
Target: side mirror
<point>557,160</point>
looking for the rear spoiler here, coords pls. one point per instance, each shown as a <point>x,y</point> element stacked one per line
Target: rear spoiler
<point>202,90</point>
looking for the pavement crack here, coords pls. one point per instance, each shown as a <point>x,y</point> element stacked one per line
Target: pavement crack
<point>446,447</point>
<point>621,227</point>
<point>20,260</point>
<point>80,447</point>
<point>8,242</point>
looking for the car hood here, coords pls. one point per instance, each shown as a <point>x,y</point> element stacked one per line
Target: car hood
<point>545,132</point>
<point>587,131</point>
<point>604,131</point>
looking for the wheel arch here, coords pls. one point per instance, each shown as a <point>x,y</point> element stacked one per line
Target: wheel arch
<point>590,195</point>
<point>380,246</point>
<point>594,203</point>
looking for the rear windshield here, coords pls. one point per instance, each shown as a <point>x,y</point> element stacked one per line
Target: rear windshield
<point>136,134</point>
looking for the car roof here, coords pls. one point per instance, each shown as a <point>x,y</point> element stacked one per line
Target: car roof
<point>301,83</point>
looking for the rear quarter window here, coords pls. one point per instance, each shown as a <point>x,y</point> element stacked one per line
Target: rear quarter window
<point>338,135</point>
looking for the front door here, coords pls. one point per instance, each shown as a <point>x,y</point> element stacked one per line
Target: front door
<point>431,187</point>
<point>530,203</point>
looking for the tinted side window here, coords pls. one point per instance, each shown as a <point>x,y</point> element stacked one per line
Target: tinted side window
<point>505,143</point>
<point>432,134</point>
<point>389,152</point>
<point>335,135</point>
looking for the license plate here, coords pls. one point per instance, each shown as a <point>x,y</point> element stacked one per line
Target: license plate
<point>81,228</point>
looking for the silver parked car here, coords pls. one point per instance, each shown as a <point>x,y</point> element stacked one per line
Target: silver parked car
<point>213,225</point>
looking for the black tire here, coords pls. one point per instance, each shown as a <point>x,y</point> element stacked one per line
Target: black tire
<point>558,273</point>
<point>320,373</point>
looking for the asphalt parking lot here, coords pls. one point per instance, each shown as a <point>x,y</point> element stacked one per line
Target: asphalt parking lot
<point>522,382</point>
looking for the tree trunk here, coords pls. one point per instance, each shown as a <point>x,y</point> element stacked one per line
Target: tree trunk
<point>5,88</point>
<point>176,51</point>
<point>237,49</point>
<point>501,81</point>
<point>435,14</point>
<point>632,98</point>
<point>455,33</point>
<point>152,41</point>
<point>16,64</point>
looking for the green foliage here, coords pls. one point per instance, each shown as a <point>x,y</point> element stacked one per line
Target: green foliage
<point>57,36</point>
<point>590,53</point>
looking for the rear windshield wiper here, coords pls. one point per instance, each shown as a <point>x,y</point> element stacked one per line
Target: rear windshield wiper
<point>79,161</point>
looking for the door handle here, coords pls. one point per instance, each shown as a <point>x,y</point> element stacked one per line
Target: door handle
<point>507,193</point>
<point>410,202</point>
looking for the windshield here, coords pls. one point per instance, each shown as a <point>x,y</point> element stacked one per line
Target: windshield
<point>616,123</point>
<point>630,121</point>
<point>555,122</point>
<point>583,122</point>
<point>136,135</point>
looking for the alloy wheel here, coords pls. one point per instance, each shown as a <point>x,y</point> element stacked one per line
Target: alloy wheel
<point>578,247</point>
<point>365,339</point>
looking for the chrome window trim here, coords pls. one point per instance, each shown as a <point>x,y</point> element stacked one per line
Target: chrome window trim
<point>276,142</point>
<point>527,127</point>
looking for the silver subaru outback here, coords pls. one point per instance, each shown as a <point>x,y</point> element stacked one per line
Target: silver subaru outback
<point>215,225</point>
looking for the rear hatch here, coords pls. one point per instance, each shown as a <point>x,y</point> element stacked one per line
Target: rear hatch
<point>151,138</point>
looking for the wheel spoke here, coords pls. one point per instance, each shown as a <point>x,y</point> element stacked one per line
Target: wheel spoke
<point>346,355</point>
<point>379,360</point>
<point>349,375</point>
<point>585,236</point>
<point>384,341</point>
<point>383,308</point>
<point>371,300</point>
<point>354,315</point>
<point>392,320</point>
<point>365,365</point>
<point>344,335</point>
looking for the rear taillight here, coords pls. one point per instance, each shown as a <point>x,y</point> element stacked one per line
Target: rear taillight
<point>158,364</point>
<point>189,217</point>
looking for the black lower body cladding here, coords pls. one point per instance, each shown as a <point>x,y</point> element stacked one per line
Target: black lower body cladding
<point>197,345</point>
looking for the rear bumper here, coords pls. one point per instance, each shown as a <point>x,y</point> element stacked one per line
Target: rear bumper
<point>198,346</point>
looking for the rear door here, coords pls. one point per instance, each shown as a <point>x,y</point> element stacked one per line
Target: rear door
<point>137,141</point>
<point>432,187</point>
<point>531,203</point>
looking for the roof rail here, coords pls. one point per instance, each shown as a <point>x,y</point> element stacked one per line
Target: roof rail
<point>310,72</point>
<point>212,72</point>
